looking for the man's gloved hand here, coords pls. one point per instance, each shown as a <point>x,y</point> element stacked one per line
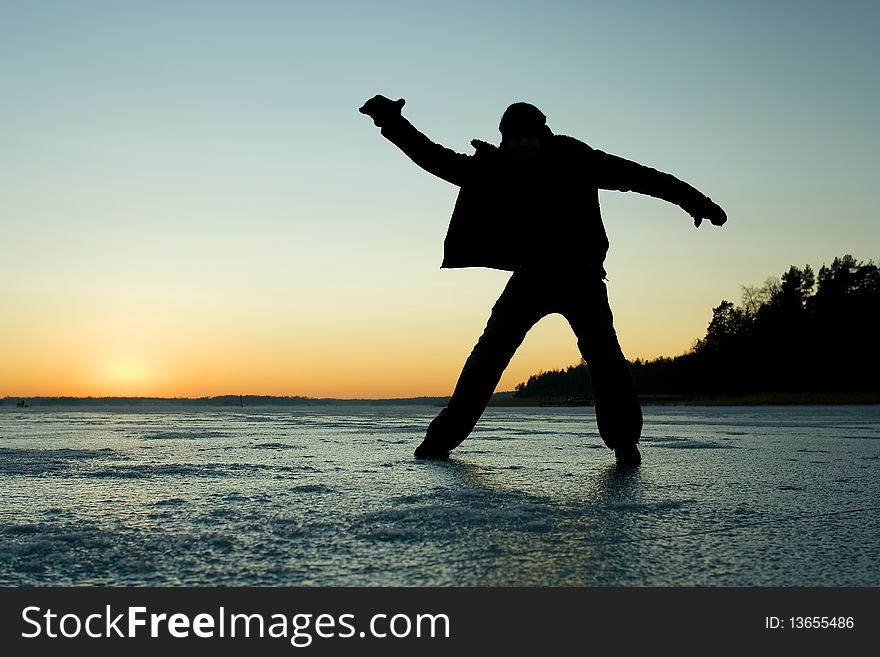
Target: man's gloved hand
<point>382,110</point>
<point>710,210</point>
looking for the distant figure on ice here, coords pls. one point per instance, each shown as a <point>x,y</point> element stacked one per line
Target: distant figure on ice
<point>531,206</point>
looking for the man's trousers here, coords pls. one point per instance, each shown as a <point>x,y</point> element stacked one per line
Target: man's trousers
<point>531,294</point>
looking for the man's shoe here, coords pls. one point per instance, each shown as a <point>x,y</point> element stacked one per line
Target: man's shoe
<point>430,451</point>
<point>628,455</point>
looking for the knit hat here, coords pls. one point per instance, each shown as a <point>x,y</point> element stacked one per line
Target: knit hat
<point>523,119</point>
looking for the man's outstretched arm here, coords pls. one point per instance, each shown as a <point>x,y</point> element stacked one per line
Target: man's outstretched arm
<point>432,157</point>
<point>624,175</point>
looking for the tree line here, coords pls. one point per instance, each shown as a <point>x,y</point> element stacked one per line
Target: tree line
<point>800,332</point>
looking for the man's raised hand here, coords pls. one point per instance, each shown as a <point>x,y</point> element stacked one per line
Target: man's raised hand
<point>382,109</point>
<point>709,210</point>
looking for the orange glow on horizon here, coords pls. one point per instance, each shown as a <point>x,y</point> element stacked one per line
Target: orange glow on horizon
<point>183,353</point>
<point>285,375</point>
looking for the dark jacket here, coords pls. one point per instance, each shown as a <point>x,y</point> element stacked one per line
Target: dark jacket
<point>540,212</point>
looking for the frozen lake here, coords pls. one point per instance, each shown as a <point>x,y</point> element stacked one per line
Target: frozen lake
<point>745,496</point>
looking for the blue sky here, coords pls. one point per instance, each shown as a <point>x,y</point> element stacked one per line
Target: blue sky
<point>188,184</point>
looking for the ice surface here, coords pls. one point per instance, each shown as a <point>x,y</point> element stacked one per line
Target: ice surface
<point>746,496</point>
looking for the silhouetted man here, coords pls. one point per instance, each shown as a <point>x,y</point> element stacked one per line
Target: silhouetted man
<point>531,206</point>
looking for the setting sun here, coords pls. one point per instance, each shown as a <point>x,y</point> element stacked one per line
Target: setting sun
<point>126,373</point>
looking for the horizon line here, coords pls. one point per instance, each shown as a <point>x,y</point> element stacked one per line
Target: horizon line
<point>220,397</point>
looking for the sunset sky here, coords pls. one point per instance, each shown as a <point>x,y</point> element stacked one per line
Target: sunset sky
<point>190,203</point>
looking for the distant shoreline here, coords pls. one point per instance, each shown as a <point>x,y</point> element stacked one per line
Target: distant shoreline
<point>750,399</point>
<point>221,401</point>
<point>500,400</point>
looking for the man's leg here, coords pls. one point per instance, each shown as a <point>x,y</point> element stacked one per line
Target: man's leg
<point>618,412</point>
<point>515,312</point>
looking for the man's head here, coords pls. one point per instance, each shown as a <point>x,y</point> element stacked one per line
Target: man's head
<point>523,127</point>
